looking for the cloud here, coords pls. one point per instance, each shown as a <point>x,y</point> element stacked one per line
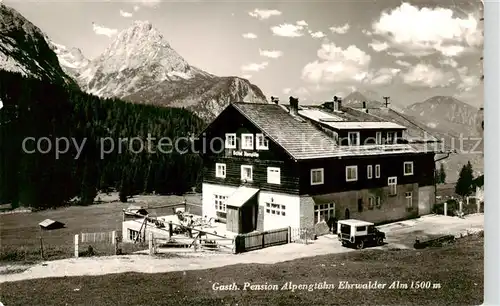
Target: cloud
<point>287,91</point>
<point>317,34</point>
<point>468,81</point>
<point>422,75</point>
<point>425,31</point>
<point>249,36</point>
<point>337,65</point>
<point>289,30</point>
<point>125,14</point>
<point>383,76</point>
<point>302,23</point>
<point>378,46</point>
<point>402,63</point>
<point>271,53</point>
<point>341,29</point>
<point>150,3</point>
<point>449,62</point>
<point>254,66</point>
<point>264,14</point>
<point>100,30</point>
<point>366,32</point>
<point>396,54</point>
<point>136,8</point>
<point>247,76</point>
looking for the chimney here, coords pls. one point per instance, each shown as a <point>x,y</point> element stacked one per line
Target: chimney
<point>339,104</point>
<point>294,105</point>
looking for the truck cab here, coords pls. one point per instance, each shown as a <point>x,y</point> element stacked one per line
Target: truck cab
<point>359,233</point>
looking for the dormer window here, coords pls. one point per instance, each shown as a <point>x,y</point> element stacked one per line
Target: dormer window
<point>247,141</point>
<point>261,142</point>
<point>391,137</point>
<point>353,138</point>
<point>231,141</point>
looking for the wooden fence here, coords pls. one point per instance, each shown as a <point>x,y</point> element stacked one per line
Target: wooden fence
<point>260,240</point>
<point>109,237</point>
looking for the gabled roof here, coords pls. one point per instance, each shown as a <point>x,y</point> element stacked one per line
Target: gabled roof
<point>301,139</point>
<point>298,137</point>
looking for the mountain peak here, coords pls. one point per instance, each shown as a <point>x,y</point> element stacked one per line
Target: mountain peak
<point>144,25</point>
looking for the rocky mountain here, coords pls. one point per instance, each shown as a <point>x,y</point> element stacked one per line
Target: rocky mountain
<point>355,100</point>
<point>140,66</point>
<point>24,49</point>
<point>444,110</point>
<point>71,60</point>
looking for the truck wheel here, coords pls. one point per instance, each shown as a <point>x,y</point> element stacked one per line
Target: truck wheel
<point>360,245</point>
<point>380,241</point>
<point>344,243</point>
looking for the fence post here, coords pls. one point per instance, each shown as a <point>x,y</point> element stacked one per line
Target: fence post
<point>478,203</point>
<point>170,229</point>
<point>445,209</point>
<point>76,246</point>
<point>263,240</point>
<point>289,234</point>
<point>151,250</point>
<point>113,237</point>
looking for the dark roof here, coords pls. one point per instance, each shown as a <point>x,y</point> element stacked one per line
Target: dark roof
<point>297,136</point>
<point>49,224</point>
<point>301,139</point>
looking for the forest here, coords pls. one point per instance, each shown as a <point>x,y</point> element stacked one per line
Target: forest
<point>32,175</point>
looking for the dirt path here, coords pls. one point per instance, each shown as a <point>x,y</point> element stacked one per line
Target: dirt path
<point>399,235</point>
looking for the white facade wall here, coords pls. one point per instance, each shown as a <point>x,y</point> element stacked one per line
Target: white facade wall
<point>291,202</point>
<point>208,197</point>
<point>292,210</point>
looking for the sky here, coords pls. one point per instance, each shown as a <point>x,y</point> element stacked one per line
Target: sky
<point>312,50</point>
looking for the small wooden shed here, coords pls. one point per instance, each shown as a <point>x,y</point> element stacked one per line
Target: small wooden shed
<point>49,224</point>
<point>242,208</point>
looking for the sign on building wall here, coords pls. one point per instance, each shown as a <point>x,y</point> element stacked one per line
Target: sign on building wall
<point>246,154</point>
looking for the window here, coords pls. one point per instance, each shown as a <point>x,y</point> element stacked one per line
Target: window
<point>262,142</point>
<point>220,170</point>
<point>231,141</point>
<point>275,209</point>
<point>317,176</point>
<point>371,203</point>
<point>392,182</point>
<point>409,199</point>
<point>369,171</point>
<point>273,175</point>
<point>378,138</point>
<point>246,173</point>
<point>377,171</point>
<point>360,228</point>
<point>353,138</point>
<point>247,141</point>
<point>408,168</point>
<point>220,203</point>
<point>360,205</point>
<point>132,234</point>
<point>390,138</point>
<point>378,202</point>
<point>323,212</point>
<point>351,173</point>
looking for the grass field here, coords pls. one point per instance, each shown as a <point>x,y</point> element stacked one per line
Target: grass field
<point>458,269</point>
<point>20,233</point>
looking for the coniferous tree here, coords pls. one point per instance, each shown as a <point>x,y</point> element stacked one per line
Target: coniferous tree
<point>465,181</point>
<point>442,174</point>
<point>36,108</point>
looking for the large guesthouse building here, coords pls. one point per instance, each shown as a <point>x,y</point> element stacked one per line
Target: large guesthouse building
<point>269,166</point>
